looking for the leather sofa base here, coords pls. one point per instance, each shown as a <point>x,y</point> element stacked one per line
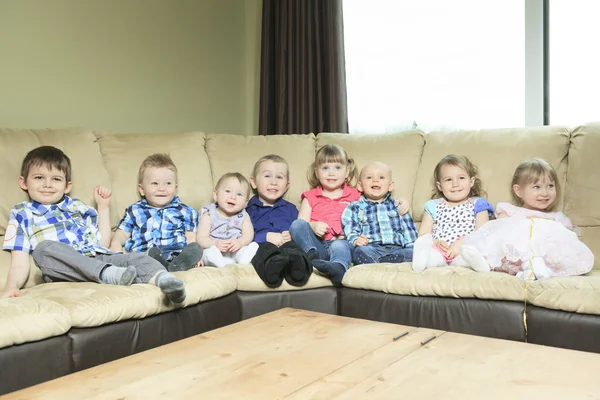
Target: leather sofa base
<point>563,329</point>
<point>323,300</point>
<point>490,318</point>
<point>98,345</point>
<point>31,363</point>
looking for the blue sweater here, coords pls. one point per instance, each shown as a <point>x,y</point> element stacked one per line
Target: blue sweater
<point>267,219</point>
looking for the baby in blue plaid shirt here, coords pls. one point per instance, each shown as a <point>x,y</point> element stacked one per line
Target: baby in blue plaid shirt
<point>374,225</point>
<point>68,239</point>
<point>160,224</point>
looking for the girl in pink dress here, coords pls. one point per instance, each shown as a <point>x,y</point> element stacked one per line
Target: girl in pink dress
<point>530,239</point>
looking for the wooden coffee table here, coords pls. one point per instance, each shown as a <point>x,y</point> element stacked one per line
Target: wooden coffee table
<point>297,354</point>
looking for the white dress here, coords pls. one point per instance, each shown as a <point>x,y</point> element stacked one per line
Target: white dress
<point>510,244</point>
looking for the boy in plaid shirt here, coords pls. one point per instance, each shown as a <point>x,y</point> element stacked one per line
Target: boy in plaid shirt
<point>160,224</point>
<point>67,239</point>
<point>374,225</point>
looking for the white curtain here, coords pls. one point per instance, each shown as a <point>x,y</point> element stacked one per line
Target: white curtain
<point>434,64</point>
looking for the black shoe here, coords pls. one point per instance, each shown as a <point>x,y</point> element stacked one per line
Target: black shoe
<point>189,257</point>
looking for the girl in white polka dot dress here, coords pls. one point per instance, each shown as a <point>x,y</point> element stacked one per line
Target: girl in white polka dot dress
<point>456,210</point>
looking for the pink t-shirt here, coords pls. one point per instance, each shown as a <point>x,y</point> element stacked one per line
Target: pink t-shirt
<point>329,210</point>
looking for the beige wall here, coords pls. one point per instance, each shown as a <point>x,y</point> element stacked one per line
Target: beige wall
<point>130,65</point>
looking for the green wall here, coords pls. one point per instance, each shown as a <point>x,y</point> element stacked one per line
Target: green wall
<point>130,65</point>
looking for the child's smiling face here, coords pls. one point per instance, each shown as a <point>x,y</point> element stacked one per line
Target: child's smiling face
<point>159,186</point>
<point>375,181</point>
<point>271,181</point>
<point>455,183</point>
<point>45,184</point>
<point>538,195</point>
<point>231,196</point>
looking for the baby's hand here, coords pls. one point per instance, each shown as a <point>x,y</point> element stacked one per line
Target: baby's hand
<point>223,245</point>
<point>102,196</point>
<point>319,228</point>
<point>275,238</point>
<point>200,264</point>
<point>10,293</point>
<point>235,245</point>
<point>403,205</point>
<point>361,241</point>
<point>286,236</point>
<point>454,249</point>
<point>442,245</point>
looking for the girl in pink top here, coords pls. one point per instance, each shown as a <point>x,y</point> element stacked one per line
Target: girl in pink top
<point>530,239</point>
<point>318,229</point>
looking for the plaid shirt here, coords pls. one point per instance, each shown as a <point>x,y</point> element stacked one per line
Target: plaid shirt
<point>381,223</point>
<point>158,227</point>
<point>70,221</point>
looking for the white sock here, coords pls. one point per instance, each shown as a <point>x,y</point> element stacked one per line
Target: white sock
<point>421,249</point>
<point>246,253</point>
<point>213,257</point>
<point>474,259</point>
<point>540,270</point>
<point>436,259</point>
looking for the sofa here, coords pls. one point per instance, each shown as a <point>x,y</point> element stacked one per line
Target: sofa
<point>55,329</point>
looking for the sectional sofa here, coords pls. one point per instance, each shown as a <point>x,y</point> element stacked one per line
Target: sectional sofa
<point>59,328</point>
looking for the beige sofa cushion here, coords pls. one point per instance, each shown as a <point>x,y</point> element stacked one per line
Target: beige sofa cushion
<point>78,144</point>
<point>123,155</point>
<point>27,319</point>
<point>443,282</point>
<point>248,280</point>
<point>235,153</point>
<point>93,304</point>
<point>580,294</point>
<point>583,178</point>
<point>496,152</point>
<point>400,151</point>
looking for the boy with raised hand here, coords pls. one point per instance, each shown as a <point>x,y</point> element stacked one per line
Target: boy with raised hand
<point>68,239</point>
<point>373,224</point>
<point>160,224</point>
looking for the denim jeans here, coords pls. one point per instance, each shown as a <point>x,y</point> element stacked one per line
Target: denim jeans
<point>337,251</point>
<point>374,253</point>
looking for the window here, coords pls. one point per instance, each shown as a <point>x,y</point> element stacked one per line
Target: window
<point>434,64</point>
<point>574,61</point>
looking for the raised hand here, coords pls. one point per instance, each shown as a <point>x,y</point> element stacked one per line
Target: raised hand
<point>102,196</point>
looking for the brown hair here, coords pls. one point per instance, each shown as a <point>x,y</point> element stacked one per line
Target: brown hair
<point>157,160</point>
<point>461,162</point>
<point>270,157</point>
<point>332,153</point>
<point>234,175</point>
<point>529,171</point>
<point>49,156</point>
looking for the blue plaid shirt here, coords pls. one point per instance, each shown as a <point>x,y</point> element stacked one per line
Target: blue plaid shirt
<point>69,221</point>
<point>158,227</point>
<point>381,223</point>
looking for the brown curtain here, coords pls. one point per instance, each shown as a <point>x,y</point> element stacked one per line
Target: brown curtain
<point>302,76</point>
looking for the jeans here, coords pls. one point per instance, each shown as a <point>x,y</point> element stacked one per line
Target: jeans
<point>335,251</point>
<point>375,253</point>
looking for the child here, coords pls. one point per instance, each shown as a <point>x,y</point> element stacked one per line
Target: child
<point>225,231</point>
<point>160,223</point>
<point>529,239</point>
<point>456,210</point>
<point>277,257</point>
<point>67,238</point>
<point>373,224</point>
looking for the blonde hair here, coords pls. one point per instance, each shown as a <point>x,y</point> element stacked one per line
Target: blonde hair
<point>234,175</point>
<point>529,171</point>
<point>332,153</point>
<point>270,157</point>
<point>461,162</point>
<point>157,160</point>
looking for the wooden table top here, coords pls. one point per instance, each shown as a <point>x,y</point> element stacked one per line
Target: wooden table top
<point>297,354</point>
